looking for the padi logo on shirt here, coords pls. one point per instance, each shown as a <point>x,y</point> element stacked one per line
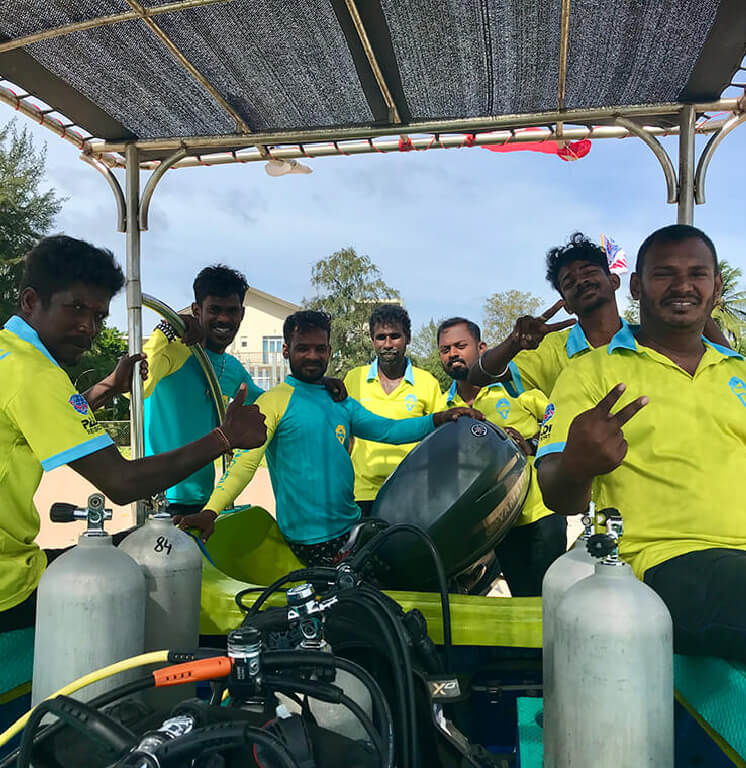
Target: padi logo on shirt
<point>79,403</point>
<point>341,433</point>
<point>502,406</point>
<point>738,386</point>
<point>546,427</point>
<point>410,401</point>
<point>91,426</point>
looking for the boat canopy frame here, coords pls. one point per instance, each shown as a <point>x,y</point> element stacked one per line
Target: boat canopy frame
<point>256,80</point>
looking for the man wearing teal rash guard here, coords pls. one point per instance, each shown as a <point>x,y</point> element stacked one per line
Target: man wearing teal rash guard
<point>178,404</point>
<point>308,438</point>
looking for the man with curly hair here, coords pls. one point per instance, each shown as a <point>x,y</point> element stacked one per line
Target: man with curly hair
<point>537,351</point>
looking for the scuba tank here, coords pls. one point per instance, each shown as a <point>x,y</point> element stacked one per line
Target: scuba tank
<point>612,667</point>
<point>172,564</point>
<point>576,564</point>
<point>90,609</point>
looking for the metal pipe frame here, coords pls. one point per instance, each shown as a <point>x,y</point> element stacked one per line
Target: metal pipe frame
<point>155,177</point>
<point>424,143</point>
<point>241,124</point>
<point>688,119</point>
<point>704,160</point>
<point>460,125</point>
<point>562,74</point>
<point>672,186</point>
<point>134,311</point>
<point>103,21</point>
<point>116,188</point>
<point>388,99</point>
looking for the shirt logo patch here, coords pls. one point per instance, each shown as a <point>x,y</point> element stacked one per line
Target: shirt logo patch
<point>79,403</point>
<point>479,430</point>
<point>739,389</point>
<point>548,413</point>
<point>341,433</point>
<point>410,401</point>
<point>502,406</point>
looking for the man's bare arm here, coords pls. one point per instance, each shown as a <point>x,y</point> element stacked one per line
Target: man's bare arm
<point>125,481</point>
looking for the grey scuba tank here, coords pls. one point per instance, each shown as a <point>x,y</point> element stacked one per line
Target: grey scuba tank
<point>576,564</point>
<point>172,563</point>
<point>613,668</point>
<point>90,610</point>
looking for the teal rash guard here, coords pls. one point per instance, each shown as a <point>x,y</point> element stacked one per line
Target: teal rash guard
<point>179,407</point>
<point>307,448</point>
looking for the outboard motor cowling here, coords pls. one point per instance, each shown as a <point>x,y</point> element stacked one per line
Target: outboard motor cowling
<point>465,485</point>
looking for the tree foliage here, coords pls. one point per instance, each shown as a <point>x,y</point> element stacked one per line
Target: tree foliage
<point>349,287</point>
<point>502,309</point>
<point>729,311</point>
<point>632,311</point>
<point>98,363</point>
<point>26,212</point>
<point>424,352</point>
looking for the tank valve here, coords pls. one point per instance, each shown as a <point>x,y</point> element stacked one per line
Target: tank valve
<point>244,649</point>
<point>157,506</point>
<point>606,545</point>
<point>95,513</point>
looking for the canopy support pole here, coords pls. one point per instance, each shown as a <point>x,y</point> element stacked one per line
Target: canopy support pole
<point>658,150</point>
<point>134,310</point>
<point>704,160</point>
<point>686,165</point>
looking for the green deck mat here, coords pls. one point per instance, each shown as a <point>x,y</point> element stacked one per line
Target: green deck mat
<point>17,653</point>
<point>714,691</point>
<point>530,734</point>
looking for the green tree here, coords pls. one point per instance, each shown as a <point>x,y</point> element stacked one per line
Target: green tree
<point>729,311</point>
<point>348,287</point>
<point>632,311</point>
<point>424,352</point>
<point>98,363</point>
<point>26,212</point>
<point>502,309</point>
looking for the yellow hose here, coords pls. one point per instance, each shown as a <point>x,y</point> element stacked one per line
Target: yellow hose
<point>92,677</point>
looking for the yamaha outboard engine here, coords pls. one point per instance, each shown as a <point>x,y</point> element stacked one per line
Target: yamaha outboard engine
<point>465,485</point>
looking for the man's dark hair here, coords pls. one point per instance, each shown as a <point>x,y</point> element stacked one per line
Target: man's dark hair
<point>674,233</point>
<point>219,280</point>
<point>578,248</point>
<point>57,262</point>
<point>306,320</point>
<point>390,314</point>
<point>472,327</point>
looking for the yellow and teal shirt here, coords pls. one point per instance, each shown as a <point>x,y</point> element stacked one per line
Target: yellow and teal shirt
<point>417,394</point>
<point>522,413</point>
<point>44,423</point>
<point>539,368</point>
<point>679,486</point>
<point>308,439</point>
<point>179,407</point>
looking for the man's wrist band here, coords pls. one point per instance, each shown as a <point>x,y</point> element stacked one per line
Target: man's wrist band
<point>167,330</point>
<point>224,440</point>
<point>486,372</point>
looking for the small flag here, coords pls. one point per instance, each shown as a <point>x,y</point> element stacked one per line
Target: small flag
<point>615,255</point>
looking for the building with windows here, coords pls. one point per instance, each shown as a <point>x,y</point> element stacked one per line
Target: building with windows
<point>258,343</point>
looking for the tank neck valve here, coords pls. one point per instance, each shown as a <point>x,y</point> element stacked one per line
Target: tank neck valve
<point>244,650</point>
<point>606,545</point>
<point>157,506</point>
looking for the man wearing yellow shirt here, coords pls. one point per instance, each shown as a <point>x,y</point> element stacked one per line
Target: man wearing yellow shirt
<point>537,351</point>
<point>538,537</point>
<point>392,387</point>
<point>654,424</point>
<point>66,289</point>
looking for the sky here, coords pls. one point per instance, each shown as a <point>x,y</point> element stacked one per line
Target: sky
<point>447,228</point>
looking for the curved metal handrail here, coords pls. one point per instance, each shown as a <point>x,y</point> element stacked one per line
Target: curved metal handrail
<point>704,159</point>
<point>199,353</point>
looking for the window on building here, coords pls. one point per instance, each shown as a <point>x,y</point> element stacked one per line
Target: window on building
<point>244,343</point>
<point>271,347</point>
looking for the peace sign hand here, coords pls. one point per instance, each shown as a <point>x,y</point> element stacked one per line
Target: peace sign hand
<point>529,331</point>
<point>595,441</point>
